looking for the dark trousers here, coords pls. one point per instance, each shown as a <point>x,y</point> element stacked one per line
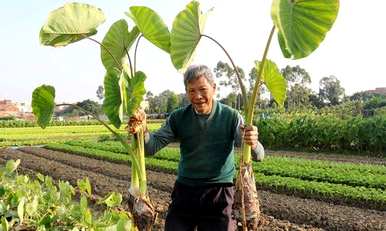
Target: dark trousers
<point>205,208</point>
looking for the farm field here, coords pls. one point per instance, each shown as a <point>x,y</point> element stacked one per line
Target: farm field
<point>296,193</point>
<point>36,135</point>
<point>79,175</point>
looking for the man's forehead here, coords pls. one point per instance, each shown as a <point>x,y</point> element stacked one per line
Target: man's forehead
<point>198,85</point>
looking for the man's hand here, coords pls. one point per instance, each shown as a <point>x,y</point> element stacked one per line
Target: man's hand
<point>249,134</point>
<point>137,121</point>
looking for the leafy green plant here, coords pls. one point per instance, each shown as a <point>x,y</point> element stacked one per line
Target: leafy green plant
<point>39,204</point>
<point>313,132</point>
<point>302,26</point>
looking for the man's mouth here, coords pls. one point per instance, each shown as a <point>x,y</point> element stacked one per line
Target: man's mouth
<point>199,104</point>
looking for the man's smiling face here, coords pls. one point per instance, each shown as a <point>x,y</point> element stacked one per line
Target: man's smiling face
<point>200,93</point>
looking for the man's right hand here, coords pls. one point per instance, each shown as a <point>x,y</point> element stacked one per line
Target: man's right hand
<point>137,121</point>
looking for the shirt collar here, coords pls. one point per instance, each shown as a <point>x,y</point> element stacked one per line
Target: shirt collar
<point>214,105</point>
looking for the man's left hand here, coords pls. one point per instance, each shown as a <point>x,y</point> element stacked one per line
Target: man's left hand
<point>250,135</point>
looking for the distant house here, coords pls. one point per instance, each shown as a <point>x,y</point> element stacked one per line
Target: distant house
<point>8,108</point>
<point>16,110</point>
<point>378,90</point>
<point>85,117</point>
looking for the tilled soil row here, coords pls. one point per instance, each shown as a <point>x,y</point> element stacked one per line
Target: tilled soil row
<point>303,211</point>
<point>118,171</point>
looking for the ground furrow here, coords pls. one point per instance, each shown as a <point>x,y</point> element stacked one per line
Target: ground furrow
<point>118,171</point>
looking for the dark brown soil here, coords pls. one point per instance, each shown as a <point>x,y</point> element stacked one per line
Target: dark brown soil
<point>281,212</point>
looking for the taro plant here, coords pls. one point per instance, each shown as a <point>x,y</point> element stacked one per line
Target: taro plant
<point>40,204</point>
<point>123,84</point>
<point>301,26</point>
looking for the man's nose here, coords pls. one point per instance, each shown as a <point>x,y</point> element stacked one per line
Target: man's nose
<point>197,95</point>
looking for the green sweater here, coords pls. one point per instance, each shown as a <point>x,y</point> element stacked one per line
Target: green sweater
<point>206,143</point>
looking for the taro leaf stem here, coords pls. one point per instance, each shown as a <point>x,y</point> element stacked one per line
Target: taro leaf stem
<point>135,53</point>
<point>141,160</point>
<point>131,66</point>
<point>243,91</point>
<point>108,51</point>
<point>246,149</point>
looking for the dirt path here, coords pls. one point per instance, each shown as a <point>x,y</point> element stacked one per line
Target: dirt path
<point>107,177</point>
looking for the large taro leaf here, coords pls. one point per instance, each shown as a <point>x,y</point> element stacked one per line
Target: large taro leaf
<point>185,35</point>
<point>117,41</point>
<point>302,25</point>
<point>274,81</point>
<point>112,97</point>
<point>71,23</point>
<point>123,94</point>
<point>151,26</point>
<point>43,104</point>
<point>136,91</point>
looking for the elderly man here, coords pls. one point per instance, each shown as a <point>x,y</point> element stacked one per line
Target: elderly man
<point>207,130</point>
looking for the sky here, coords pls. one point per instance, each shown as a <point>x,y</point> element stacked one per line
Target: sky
<point>353,49</point>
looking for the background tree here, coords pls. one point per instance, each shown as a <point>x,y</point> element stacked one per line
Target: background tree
<point>172,102</point>
<point>166,101</point>
<point>89,105</point>
<point>230,100</point>
<point>163,100</point>
<point>298,87</point>
<point>330,90</point>
<point>364,95</point>
<point>227,79</point>
<point>315,100</point>
<point>261,102</point>
<point>150,100</point>
<point>155,102</point>
<point>374,104</point>
<point>296,75</point>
